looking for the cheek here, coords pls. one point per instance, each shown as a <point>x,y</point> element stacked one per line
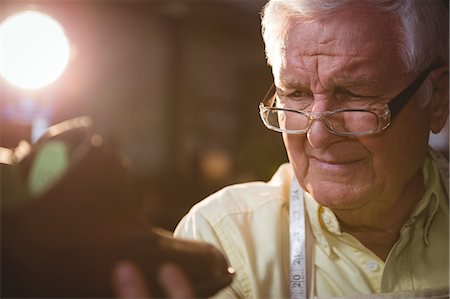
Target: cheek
<point>380,160</point>
<point>295,150</point>
<point>397,156</point>
<point>410,151</point>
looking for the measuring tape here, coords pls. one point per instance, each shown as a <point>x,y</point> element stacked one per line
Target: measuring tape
<point>297,233</point>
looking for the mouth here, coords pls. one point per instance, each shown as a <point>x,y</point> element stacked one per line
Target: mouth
<point>333,165</point>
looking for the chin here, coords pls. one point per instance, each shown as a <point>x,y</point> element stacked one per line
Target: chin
<point>341,204</point>
<point>339,198</point>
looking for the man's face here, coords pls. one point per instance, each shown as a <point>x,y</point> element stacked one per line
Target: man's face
<point>351,55</point>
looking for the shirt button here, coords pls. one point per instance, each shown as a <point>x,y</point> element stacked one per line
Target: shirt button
<point>326,218</point>
<point>372,266</point>
<point>323,243</point>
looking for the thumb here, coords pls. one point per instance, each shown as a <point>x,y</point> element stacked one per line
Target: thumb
<point>128,281</point>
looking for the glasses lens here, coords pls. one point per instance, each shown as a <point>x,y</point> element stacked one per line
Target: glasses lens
<point>285,120</point>
<point>353,121</point>
<point>347,122</point>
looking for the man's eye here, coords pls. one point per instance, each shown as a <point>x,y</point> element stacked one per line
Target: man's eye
<point>298,100</point>
<point>300,94</point>
<point>349,99</point>
<point>344,93</point>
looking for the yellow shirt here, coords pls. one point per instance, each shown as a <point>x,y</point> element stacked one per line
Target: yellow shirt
<point>250,224</point>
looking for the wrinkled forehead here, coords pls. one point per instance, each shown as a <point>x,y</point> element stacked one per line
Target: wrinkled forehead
<point>354,32</point>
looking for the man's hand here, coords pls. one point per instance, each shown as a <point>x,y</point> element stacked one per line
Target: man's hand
<point>129,283</point>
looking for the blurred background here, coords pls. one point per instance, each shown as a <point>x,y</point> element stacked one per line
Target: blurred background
<point>173,84</point>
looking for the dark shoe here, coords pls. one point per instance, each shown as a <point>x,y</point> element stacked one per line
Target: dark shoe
<point>65,241</point>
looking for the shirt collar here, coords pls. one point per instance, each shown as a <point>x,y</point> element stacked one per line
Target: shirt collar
<point>316,217</point>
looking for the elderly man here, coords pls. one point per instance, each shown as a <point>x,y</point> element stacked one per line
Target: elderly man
<point>359,85</point>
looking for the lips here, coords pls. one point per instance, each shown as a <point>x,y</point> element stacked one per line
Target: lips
<point>335,165</point>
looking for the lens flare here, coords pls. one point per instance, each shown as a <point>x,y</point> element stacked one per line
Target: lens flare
<point>34,50</point>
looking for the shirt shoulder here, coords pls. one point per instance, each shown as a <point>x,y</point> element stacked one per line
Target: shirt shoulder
<point>239,220</point>
<point>245,198</point>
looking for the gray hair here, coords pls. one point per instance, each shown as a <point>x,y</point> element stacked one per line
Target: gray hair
<point>422,26</point>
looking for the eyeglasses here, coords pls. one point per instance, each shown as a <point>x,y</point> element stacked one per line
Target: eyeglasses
<point>344,122</point>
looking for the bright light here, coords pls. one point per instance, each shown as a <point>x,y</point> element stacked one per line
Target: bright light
<point>34,50</point>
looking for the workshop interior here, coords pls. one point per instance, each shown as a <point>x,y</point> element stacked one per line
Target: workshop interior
<point>137,109</point>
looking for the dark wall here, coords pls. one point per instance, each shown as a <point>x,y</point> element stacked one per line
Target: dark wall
<point>175,85</point>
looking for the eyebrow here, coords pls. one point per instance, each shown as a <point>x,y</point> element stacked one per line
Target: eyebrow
<point>360,81</point>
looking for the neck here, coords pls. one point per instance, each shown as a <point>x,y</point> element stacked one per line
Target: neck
<point>378,226</point>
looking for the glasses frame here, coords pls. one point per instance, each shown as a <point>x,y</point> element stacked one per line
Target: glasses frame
<point>381,114</point>
<point>385,115</point>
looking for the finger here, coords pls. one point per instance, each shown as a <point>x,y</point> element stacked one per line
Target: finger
<point>128,281</point>
<point>174,282</point>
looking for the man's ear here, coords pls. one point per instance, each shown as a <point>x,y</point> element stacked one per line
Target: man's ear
<point>440,99</point>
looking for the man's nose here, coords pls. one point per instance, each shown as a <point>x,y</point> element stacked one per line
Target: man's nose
<point>318,135</point>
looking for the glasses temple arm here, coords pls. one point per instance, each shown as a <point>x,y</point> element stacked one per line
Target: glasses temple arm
<point>396,104</point>
<point>269,96</point>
